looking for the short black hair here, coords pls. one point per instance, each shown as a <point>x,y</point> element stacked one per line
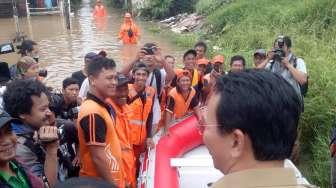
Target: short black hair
<point>169,56</point>
<point>262,105</point>
<point>191,51</point>
<point>17,97</point>
<point>26,45</point>
<point>98,63</point>
<point>140,65</point>
<point>84,182</point>
<point>201,44</point>
<point>69,81</point>
<point>287,41</point>
<point>238,58</point>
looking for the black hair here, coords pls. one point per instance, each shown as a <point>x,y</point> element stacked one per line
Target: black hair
<point>169,56</point>
<point>140,65</point>
<point>238,58</point>
<point>287,41</point>
<point>17,97</point>
<point>264,106</point>
<point>26,46</point>
<point>98,63</point>
<point>191,51</point>
<point>69,81</point>
<point>201,44</point>
<point>80,182</point>
<point>102,53</point>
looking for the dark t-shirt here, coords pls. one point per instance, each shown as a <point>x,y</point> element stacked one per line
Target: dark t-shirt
<point>79,76</point>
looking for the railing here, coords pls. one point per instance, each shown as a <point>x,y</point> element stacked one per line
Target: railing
<point>38,7</point>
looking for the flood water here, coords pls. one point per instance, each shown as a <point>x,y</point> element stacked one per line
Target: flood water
<point>62,51</point>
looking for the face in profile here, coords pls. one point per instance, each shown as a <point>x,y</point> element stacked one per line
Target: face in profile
<point>40,113</point>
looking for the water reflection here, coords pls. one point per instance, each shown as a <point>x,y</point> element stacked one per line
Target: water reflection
<point>62,52</point>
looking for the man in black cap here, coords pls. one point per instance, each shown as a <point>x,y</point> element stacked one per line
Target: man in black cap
<point>82,74</point>
<point>12,174</point>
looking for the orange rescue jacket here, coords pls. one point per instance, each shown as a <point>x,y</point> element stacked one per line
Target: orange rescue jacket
<point>112,144</point>
<point>124,32</point>
<point>124,135</point>
<point>99,11</point>
<point>181,107</point>
<point>140,110</point>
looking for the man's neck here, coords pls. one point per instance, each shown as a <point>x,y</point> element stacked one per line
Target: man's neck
<point>138,88</point>
<point>97,94</point>
<point>4,167</point>
<point>254,164</point>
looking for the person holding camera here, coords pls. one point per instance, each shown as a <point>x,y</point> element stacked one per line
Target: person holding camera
<point>66,104</point>
<point>281,60</point>
<point>129,32</point>
<point>37,138</point>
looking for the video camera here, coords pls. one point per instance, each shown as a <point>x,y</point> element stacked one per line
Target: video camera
<point>7,48</point>
<point>279,53</point>
<point>71,114</point>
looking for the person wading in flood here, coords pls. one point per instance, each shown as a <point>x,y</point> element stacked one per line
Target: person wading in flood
<point>129,32</point>
<point>99,10</point>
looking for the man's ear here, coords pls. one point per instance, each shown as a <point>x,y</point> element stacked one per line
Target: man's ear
<point>23,116</point>
<point>238,144</point>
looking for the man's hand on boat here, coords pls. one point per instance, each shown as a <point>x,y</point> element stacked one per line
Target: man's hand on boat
<point>150,143</point>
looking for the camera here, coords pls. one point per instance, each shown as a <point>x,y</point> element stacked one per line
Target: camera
<point>149,50</point>
<point>279,53</point>
<point>43,73</point>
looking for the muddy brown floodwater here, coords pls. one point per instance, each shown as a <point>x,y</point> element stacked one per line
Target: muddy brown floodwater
<point>62,51</point>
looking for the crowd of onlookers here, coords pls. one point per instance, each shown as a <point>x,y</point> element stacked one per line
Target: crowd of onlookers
<point>103,120</point>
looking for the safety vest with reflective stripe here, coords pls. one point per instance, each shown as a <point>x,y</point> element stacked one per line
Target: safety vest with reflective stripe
<point>111,147</point>
<point>181,105</point>
<point>124,135</point>
<point>140,112</point>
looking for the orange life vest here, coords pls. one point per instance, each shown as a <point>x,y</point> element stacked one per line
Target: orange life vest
<point>140,114</point>
<point>112,147</point>
<point>124,135</point>
<point>124,33</point>
<point>99,11</point>
<point>181,107</point>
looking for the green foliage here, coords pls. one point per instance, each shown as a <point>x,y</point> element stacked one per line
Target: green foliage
<point>241,26</point>
<point>159,9</point>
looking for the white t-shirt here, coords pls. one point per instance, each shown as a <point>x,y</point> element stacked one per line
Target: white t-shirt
<point>84,89</point>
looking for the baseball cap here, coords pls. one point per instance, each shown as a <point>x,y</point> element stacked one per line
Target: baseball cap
<point>202,61</point>
<point>218,59</point>
<point>5,119</point>
<point>121,79</point>
<point>260,52</point>
<point>90,55</point>
<point>181,73</point>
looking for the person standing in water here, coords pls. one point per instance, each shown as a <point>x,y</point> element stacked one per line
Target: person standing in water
<point>129,32</point>
<point>99,10</point>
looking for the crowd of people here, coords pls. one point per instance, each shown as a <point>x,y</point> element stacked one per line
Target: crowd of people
<point>103,120</point>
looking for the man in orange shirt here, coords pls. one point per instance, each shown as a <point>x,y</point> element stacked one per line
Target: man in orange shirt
<point>99,145</point>
<point>122,116</point>
<point>99,10</point>
<point>129,32</point>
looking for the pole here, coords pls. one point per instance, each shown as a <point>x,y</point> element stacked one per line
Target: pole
<point>27,9</point>
<point>18,36</point>
<point>67,14</point>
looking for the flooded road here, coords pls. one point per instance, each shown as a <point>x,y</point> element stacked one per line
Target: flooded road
<point>62,51</point>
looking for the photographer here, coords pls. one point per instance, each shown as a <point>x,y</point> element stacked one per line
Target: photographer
<point>37,139</point>
<point>281,60</point>
<point>65,105</point>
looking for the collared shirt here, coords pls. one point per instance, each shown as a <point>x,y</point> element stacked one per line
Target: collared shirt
<point>266,178</point>
<point>18,181</point>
